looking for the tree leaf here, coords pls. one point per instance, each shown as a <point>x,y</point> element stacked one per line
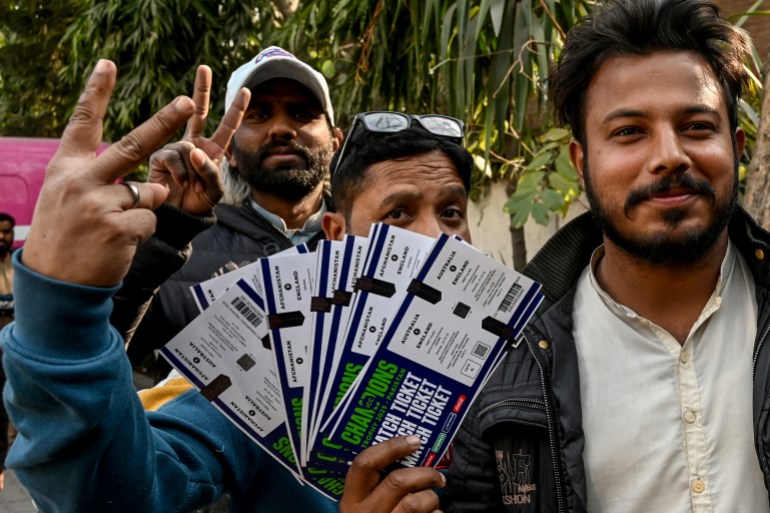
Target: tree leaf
<point>328,69</point>
<point>496,14</point>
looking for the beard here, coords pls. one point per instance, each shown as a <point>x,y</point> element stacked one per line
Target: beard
<point>665,248</point>
<point>285,181</point>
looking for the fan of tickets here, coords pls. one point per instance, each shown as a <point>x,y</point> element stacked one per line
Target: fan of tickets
<point>318,355</point>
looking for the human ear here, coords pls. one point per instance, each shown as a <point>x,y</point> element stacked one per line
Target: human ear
<point>740,141</point>
<point>333,224</point>
<point>337,137</point>
<point>577,157</point>
<point>230,156</point>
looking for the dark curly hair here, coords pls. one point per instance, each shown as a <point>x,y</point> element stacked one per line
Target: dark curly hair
<point>642,27</point>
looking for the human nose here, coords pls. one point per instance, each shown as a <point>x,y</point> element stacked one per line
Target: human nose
<point>429,225</point>
<point>281,127</point>
<point>668,154</point>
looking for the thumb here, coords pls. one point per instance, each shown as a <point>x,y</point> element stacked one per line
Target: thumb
<point>159,194</point>
<point>208,174</point>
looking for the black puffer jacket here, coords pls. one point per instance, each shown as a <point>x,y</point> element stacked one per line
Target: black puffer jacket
<point>521,445</point>
<point>239,236</point>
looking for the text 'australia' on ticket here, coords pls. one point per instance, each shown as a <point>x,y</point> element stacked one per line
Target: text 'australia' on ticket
<point>226,354</point>
<point>461,312</point>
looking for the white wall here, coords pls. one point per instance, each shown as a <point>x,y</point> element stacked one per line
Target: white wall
<point>489,226</point>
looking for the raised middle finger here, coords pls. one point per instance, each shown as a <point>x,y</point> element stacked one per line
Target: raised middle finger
<point>201,95</point>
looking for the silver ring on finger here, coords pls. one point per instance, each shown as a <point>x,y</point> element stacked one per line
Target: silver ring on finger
<point>134,192</point>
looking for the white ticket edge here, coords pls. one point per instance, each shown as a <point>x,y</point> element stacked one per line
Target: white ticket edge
<point>353,255</point>
<point>236,317</point>
<point>288,284</point>
<point>206,292</point>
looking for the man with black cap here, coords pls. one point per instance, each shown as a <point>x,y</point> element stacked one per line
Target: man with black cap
<point>275,194</point>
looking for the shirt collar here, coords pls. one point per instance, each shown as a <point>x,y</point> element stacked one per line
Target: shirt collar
<point>725,271</point>
<point>310,228</point>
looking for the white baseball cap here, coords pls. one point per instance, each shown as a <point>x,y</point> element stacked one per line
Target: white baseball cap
<point>274,62</point>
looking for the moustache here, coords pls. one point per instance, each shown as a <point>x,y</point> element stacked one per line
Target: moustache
<point>290,146</point>
<point>685,183</point>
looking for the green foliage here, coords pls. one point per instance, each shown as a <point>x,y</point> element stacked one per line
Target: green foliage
<point>33,101</point>
<point>547,183</point>
<point>157,45</point>
<point>750,105</point>
<point>484,61</point>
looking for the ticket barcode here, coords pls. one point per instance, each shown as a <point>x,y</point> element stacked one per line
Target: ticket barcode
<point>249,313</point>
<point>510,297</point>
<point>480,350</point>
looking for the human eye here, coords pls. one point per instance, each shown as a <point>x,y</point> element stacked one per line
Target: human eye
<point>699,126</point>
<point>626,132</point>
<point>257,114</point>
<point>453,213</point>
<point>396,214</point>
<point>306,114</point>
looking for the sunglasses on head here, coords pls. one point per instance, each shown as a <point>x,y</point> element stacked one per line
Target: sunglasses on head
<point>391,122</point>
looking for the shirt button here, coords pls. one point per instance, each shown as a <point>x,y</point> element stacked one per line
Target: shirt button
<point>683,357</point>
<point>689,416</point>
<point>698,486</point>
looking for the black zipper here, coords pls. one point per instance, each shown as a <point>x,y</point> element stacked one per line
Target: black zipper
<point>756,352</point>
<point>760,453</point>
<point>551,432</point>
<point>536,405</point>
<point>532,404</point>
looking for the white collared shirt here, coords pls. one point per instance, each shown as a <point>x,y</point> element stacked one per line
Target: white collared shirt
<point>296,236</point>
<point>668,428</point>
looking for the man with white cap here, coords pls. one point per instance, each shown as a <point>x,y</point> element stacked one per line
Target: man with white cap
<point>86,443</point>
<point>275,194</point>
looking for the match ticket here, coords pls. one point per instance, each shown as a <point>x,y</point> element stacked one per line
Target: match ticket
<point>316,356</point>
<point>288,284</point>
<point>459,315</point>
<point>395,255</point>
<point>226,353</point>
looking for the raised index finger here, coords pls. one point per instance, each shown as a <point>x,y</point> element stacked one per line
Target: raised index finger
<point>201,94</point>
<point>83,133</point>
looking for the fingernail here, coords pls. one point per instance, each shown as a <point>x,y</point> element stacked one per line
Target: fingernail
<point>102,66</point>
<point>442,477</point>
<point>197,156</point>
<point>184,103</point>
<point>413,440</point>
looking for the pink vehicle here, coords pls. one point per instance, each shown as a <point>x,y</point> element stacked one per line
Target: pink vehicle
<point>22,168</point>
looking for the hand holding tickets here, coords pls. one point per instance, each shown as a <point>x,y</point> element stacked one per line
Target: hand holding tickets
<point>317,356</point>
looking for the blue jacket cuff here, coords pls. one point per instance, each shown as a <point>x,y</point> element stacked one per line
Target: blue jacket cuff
<point>58,319</point>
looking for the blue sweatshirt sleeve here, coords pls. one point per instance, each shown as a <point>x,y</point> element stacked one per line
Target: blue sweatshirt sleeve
<point>85,443</point>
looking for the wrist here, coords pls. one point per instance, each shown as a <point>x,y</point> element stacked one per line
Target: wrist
<point>177,228</point>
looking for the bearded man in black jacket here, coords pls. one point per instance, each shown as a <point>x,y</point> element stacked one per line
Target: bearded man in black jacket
<point>275,173</point>
<point>642,382</point>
